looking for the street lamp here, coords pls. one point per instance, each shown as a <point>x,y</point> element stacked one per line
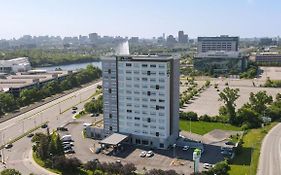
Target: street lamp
<point>174,146</point>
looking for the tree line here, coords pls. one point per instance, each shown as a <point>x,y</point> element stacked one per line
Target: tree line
<point>10,102</point>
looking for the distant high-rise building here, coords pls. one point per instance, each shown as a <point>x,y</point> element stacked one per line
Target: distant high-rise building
<point>171,39</point>
<point>141,98</point>
<point>134,40</point>
<point>182,38</point>
<point>222,43</point>
<point>93,37</point>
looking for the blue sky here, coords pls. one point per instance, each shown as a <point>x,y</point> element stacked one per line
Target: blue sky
<point>144,18</point>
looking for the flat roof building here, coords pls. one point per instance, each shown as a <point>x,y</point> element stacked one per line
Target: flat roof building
<point>221,43</point>
<point>15,65</point>
<point>141,98</point>
<point>268,59</point>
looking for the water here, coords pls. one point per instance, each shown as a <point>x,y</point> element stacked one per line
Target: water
<point>75,66</point>
<point>123,49</point>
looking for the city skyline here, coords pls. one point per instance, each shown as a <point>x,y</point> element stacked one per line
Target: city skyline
<point>146,19</point>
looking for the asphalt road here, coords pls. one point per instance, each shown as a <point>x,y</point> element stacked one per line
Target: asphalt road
<point>270,157</point>
<point>57,113</point>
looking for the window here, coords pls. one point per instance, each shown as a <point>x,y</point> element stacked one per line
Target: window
<point>144,65</point>
<point>160,100</point>
<point>157,134</point>
<point>110,115</point>
<point>148,72</point>
<point>129,111</point>
<point>161,145</point>
<point>144,79</point>
<point>109,71</point>
<point>153,65</point>
<point>137,118</point>
<point>138,141</point>
<point>148,93</point>
<point>128,64</point>
<point>148,120</point>
<point>145,142</point>
<point>109,90</point>
<point>110,128</point>
<point>157,87</point>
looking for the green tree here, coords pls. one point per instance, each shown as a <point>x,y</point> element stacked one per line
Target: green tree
<point>259,101</point>
<point>229,96</point>
<point>7,103</point>
<point>10,172</point>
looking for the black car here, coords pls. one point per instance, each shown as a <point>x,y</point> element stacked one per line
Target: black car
<point>74,108</point>
<point>62,129</point>
<point>8,146</point>
<point>30,135</point>
<point>73,112</point>
<point>44,126</point>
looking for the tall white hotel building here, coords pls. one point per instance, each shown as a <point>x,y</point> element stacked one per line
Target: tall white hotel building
<point>141,98</point>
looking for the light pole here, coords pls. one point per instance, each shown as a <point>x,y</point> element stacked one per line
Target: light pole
<point>174,146</point>
<point>190,125</point>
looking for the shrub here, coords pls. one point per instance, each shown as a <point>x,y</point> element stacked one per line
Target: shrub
<point>189,116</point>
<point>205,118</point>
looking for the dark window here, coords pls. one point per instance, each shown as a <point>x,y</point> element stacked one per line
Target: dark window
<point>160,100</point>
<point>152,65</point>
<point>137,118</point>
<point>161,145</point>
<point>144,65</point>
<point>148,120</point>
<point>109,71</point>
<point>148,93</point>
<point>109,90</point>
<point>157,87</point>
<point>138,141</point>
<point>128,64</point>
<point>157,134</point>
<point>110,115</point>
<point>148,72</point>
<point>157,107</point>
<point>129,111</point>
<point>145,142</point>
<point>110,128</point>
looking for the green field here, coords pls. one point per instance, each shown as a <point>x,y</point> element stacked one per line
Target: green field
<point>247,161</point>
<point>201,127</point>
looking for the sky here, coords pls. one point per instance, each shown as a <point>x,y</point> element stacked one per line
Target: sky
<point>143,18</point>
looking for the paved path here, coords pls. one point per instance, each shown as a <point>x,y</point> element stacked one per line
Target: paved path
<point>270,157</point>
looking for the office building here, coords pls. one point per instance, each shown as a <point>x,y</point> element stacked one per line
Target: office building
<point>15,65</point>
<point>171,39</point>
<point>141,99</point>
<point>182,38</point>
<point>222,43</point>
<point>268,59</point>
<point>220,62</point>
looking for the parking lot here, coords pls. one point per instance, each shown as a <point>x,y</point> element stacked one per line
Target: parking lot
<point>179,160</point>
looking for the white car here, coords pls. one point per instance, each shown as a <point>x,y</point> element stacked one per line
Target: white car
<point>207,166</point>
<point>185,148</point>
<point>143,154</point>
<point>149,154</point>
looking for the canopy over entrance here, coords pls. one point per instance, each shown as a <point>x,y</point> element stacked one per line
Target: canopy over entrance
<point>114,139</point>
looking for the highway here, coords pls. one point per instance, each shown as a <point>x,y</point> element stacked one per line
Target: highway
<point>57,113</point>
<point>270,157</point>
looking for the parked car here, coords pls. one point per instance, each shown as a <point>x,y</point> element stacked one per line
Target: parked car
<point>66,138</point>
<point>149,154</point>
<point>44,126</point>
<point>73,112</point>
<point>74,108</point>
<point>98,150</point>
<point>8,146</point>
<point>185,148</point>
<point>70,151</point>
<point>62,129</point>
<point>30,135</point>
<point>67,144</point>
<point>207,166</point>
<point>143,154</point>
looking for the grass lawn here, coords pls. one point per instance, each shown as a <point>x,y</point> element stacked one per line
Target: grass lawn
<point>247,161</point>
<point>201,127</point>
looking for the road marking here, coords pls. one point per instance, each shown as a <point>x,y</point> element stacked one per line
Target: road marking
<point>92,150</point>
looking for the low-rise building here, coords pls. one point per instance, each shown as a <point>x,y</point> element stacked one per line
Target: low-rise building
<point>268,58</point>
<point>220,62</point>
<point>26,80</point>
<point>15,65</point>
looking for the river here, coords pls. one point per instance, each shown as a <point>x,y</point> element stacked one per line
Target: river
<point>75,66</point>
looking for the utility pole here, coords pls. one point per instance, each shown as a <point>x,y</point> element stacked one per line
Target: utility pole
<point>190,125</point>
